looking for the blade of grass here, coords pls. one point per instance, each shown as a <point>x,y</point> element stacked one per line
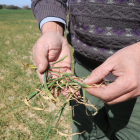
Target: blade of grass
<point>29,96</point>
<point>54,67</point>
<point>64,107</point>
<point>46,88</point>
<point>46,137</point>
<point>60,60</point>
<point>82,85</point>
<point>14,107</point>
<point>84,94</point>
<point>53,82</point>
<point>76,122</point>
<point>63,73</point>
<point>60,110</point>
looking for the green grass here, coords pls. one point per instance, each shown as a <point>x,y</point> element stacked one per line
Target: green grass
<point>18,33</point>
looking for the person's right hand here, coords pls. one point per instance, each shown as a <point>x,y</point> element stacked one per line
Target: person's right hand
<point>51,47</point>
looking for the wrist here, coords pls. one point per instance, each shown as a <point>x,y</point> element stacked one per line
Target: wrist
<point>53,27</point>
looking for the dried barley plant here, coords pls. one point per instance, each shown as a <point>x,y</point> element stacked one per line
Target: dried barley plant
<point>51,87</point>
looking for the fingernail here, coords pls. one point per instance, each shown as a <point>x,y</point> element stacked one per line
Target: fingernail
<point>86,80</point>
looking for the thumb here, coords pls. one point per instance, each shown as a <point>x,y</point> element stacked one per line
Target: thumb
<point>99,73</point>
<point>40,58</point>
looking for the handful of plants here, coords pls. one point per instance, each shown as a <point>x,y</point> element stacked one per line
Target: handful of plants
<point>51,87</point>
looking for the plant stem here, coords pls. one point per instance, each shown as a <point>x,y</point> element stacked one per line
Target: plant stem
<point>46,137</point>
<point>60,60</point>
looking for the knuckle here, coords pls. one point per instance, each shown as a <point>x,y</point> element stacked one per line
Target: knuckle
<point>134,84</point>
<point>100,71</point>
<point>131,83</point>
<point>39,42</point>
<point>97,71</point>
<point>106,98</point>
<point>110,103</point>
<point>104,71</point>
<point>36,46</point>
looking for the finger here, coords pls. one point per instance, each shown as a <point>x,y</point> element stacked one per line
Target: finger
<point>65,51</point>
<point>41,76</point>
<point>65,92</point>
<point>112,91</point>
<point>99,73</point>
<point>40,57</point>
<point>126,96</point>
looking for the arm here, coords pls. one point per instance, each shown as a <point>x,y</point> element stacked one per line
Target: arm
<point>49,46</point>
<point>50,8</point>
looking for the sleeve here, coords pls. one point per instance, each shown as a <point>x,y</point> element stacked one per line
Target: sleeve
<point>52,19</point>
<point>49,8</point>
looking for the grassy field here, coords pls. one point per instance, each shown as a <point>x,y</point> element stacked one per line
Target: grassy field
<point>18,33</point>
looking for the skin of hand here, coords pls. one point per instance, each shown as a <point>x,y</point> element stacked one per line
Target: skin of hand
<point>51,47</point>
<point>125,65</point>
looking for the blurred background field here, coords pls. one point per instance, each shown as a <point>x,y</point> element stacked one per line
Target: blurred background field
<point>18,33</point>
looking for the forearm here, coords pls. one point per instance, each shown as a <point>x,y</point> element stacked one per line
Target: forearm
<point>53,27</point>
<point>51,8</point>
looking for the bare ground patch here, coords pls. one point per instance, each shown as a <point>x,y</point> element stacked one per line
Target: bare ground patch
<point>38,119</point>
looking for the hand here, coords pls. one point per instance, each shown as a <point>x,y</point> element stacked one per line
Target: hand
<point>125,65</point>
<point>50,48</point>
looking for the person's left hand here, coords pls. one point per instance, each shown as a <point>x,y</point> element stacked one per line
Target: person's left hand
<point>125,65</point>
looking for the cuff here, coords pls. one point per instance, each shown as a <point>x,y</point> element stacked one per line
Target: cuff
<point>47,19</point>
